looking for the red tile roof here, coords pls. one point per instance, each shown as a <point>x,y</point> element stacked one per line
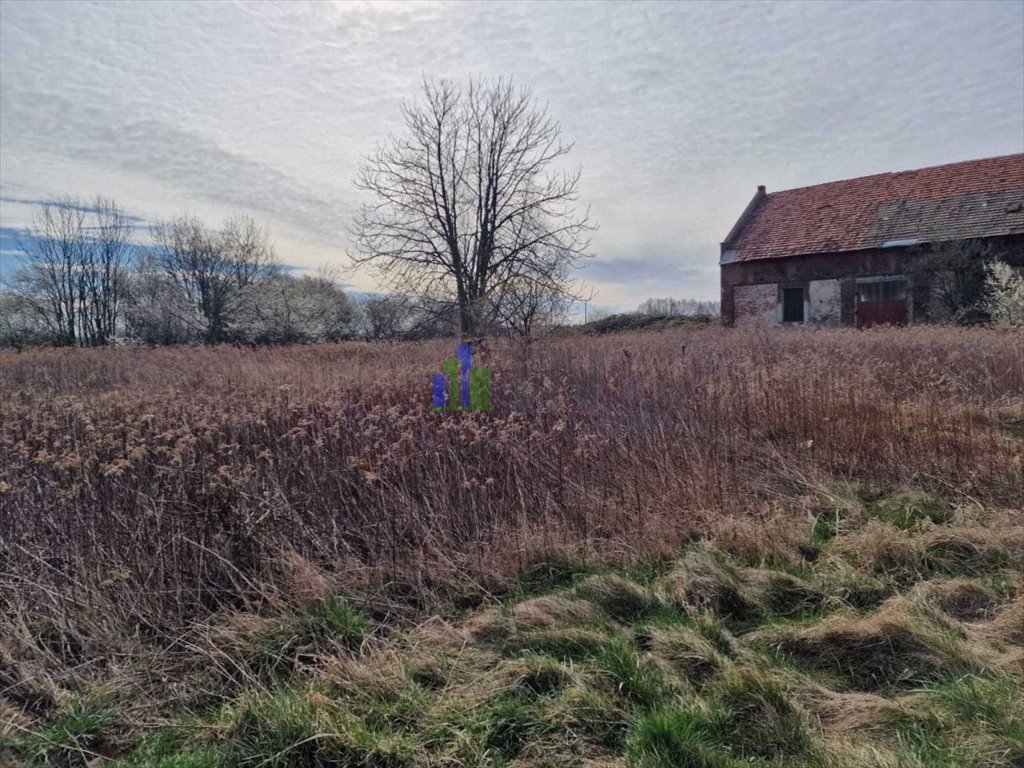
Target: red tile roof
<point>978,198</point>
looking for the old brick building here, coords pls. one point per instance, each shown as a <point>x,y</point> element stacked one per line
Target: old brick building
<point>845,252</point>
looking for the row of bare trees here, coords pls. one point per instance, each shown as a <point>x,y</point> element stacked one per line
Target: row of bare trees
<point>86,282</point>
<point>75,278</point>
<point>678,307</point>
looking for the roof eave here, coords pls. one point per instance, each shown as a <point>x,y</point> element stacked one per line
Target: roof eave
<point>889,245</point>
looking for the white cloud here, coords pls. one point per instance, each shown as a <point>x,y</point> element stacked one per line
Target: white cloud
<point>678,109</point>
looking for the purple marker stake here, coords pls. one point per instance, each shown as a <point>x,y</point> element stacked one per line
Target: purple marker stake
<point>438,383</point>
<point>462,352</point>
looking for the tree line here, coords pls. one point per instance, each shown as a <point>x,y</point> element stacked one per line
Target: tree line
<point>84,281</point>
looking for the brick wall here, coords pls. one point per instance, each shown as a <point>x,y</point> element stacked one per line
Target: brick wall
<point>756,304</point>
<point>794,271</point>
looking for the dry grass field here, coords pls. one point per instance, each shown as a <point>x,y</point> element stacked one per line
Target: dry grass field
<point>692,547</point>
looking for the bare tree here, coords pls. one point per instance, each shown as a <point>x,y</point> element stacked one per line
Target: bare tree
<point>50,282</point>
<point>537,299</point>
<point>530,305</point>
<point>213,269</point>
<point>76,264</point>
<point>157,311</point>
<point>386,317</point>
<point>105,266</point>
<point>949,280</point>
<point>468,201</point>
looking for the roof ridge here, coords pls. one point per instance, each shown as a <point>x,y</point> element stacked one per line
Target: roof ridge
<point>879,176</point>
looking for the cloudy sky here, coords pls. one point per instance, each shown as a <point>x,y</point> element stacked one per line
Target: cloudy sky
<point>678,110</point>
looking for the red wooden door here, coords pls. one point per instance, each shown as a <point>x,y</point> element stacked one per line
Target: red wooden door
<point>882,301</point>
<point>881,313</point>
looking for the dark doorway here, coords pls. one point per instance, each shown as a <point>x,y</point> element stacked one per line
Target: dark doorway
<point>792,305</point>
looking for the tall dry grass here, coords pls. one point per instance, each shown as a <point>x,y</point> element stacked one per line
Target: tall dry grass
<point>143,489</point>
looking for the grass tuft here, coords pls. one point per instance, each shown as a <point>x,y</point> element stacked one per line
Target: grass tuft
<point>291,728</point>
<point>670,737</point>
<point>751,716</point>
<point>318,627</point>
<point>621,599</point>
<point>73,738</point>
<point>634,676</point>
<point>908,509</point>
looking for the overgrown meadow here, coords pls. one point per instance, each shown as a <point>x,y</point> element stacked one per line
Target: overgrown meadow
<point>704,547</point>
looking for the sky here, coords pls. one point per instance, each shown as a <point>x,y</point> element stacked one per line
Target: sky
<point>677,110</point>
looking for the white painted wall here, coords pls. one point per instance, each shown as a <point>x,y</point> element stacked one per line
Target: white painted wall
<point>825,302</point>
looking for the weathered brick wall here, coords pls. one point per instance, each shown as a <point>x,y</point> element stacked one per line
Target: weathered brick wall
<point>842,268</point>
<point>756,304</point>
<point>801,270</point>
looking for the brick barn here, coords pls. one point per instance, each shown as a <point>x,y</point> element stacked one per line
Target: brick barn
<point>845,252</point>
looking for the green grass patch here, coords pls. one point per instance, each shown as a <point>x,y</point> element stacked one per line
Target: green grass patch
<point>895,650</point>
<point>287,729</point>
<point>672,737</point>
<point>924,742</point>
<point>988,710</point>
<point>908,509</point>
<point>590,713</point>
<point>317,627</point>
<point>72,739</point>
<point>510,722</point>
<point>751,717</point>
<point>563,644</point>
<point>634,676</point>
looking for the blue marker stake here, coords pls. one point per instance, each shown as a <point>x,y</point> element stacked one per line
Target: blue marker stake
<point>463,354</point>
<point>438,382</point>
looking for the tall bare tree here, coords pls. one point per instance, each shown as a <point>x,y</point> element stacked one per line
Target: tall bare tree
<point>469,200</point>
<point>105,267</point>
<point>50,281</point>
<point>76,266</point>
<point>213,270</point>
